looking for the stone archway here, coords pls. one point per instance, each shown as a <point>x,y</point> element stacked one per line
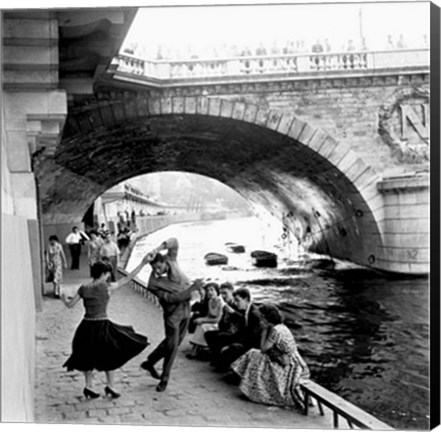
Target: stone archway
<point>317,185</point>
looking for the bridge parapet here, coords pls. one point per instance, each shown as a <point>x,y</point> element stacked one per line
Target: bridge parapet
<point>163,73</point>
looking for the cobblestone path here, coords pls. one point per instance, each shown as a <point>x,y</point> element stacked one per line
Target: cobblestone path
<point>196,395</point>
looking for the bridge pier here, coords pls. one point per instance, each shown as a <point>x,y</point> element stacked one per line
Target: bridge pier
<point>405,246</point>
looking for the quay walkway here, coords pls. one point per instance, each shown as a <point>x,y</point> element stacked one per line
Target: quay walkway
<point>196,395</point>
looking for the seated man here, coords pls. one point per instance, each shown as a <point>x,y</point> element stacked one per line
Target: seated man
<point>249,334</point>
<point>229,324</point>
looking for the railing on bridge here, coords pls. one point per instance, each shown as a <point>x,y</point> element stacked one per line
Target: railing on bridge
<point>354,416</point>
<point>255,66</point>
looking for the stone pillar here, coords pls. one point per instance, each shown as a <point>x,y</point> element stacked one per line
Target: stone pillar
<point>406,235</point>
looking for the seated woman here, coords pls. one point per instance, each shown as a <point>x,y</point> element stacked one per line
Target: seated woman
<point>208,322</point>
<point>198,309</point>
<point>272,375</point>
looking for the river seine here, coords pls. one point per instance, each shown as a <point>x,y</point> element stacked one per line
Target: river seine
<point>365,336</point>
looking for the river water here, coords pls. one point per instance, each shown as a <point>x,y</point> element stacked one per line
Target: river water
<point>365,336</point>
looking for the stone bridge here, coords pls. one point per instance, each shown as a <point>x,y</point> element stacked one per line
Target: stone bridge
<point>334,145</point>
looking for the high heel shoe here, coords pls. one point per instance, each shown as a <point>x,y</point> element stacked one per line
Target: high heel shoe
<point>90,394</point>
<point>113,394</point>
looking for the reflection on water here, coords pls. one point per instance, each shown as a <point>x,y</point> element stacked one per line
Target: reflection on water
<point>365,336</point>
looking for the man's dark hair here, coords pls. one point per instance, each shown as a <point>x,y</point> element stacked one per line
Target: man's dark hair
<point>212,284</point>
<point>271,313</point>
<point>100,268</point>
<point>158,258</point>
<point>243,293</point>
<point>53,237</point>
<point>226,285</point>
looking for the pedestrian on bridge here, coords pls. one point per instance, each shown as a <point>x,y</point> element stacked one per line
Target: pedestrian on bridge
<point>99,343</point>
<point>174,290</point>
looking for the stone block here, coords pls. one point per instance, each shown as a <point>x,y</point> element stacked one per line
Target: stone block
<point>238,110</point>
<point>202,106</point>
<point>356,169</point>
<point>131,108</point>
<point>261,117</point>
<point>18,155</point>
<point>285,123</point>
<point>226,110</point>
<point>190,105</point>
<point>296,128</point>
<point>118,112</point>
<point>154,106</point>
<point>368,177</point>
<point>214,107</point>
<point>307,134</point>
<point>29,28</point>
<point>142,106</point>
<point>326,147</point>
<point>317,140</point>
<point>166,105</point>
<point>273,119</point>
<point>250,113</point>
<point>407,211</point>
<point>348,159</point>
<point>32,57</point>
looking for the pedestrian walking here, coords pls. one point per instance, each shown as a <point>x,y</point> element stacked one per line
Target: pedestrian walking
<point>173,289</point>
<point>75,239</point>
<point>109,252</point>
<point>55,262</point>
<point>99,343</point>
<point>94,248</point>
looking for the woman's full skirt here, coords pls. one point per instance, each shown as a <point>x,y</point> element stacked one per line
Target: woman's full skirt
<point>104,346</point>
<point>267,382</point>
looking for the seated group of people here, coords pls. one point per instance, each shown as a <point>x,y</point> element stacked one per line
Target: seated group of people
<point>250,342</point>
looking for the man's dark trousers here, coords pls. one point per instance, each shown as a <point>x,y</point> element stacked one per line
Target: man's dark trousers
<point>75,252</point>
<point>175,331</point>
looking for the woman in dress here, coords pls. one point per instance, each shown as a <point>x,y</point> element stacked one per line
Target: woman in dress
<point>55,261</point>
<point>99,343</point>
<point>93,249</point>
<point>208,322</point>
<point>272,375</point>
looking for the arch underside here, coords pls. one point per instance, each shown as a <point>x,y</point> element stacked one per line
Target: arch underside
<point>316,201</point>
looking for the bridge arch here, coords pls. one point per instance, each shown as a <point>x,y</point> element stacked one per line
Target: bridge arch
<point>322,191</point>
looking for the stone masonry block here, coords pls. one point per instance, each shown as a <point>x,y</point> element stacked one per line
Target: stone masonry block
<point>131,108</point>
<point>154,106</point>
<point>118,112</point>
<point>202,106</point>
<point>261,117</point>
<point>317,141</point>
<point>356,169</point>
<point>347,160</point>
<point>226,108</point>
<point>285,123</point>
<point>296,128</point>
<point>250,113</point>
<point>214,107</point>
<point>178,105</point>
<point>190,105</point>
<point>29,28</point>
<point>338,153</point>
<point>327,146</point>
<point>273,119</point>
<point>18,151</point>
<point>166,105</point>
<point>306,134</point>
<point>142,107</point>
<point>239,110</point>
<point>57,102</point>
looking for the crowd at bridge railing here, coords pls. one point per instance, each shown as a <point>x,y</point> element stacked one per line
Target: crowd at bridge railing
<point>272,64</point>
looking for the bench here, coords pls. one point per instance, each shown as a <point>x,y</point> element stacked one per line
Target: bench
<point>340,408</point>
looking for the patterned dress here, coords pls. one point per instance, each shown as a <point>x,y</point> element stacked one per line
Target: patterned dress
<point>266,381</point>
<point>55,262</point>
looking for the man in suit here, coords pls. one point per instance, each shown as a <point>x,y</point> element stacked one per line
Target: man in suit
<point>249,334</point>
<point>173,289</point>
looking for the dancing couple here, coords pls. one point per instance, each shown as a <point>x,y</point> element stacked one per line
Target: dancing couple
<point>100,344</point>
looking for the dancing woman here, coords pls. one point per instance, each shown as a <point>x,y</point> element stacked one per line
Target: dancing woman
<point>99,343</point>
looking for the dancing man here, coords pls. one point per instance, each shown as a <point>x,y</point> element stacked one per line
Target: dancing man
<point>173,289</point>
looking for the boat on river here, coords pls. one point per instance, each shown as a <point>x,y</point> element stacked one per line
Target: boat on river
<point>214,258</point>
<point>262,258</point>
<point>234,247</point>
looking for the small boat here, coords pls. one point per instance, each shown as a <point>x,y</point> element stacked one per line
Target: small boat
<point>263,258</point>
<point>234,247</point>
<point>214,258</point>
